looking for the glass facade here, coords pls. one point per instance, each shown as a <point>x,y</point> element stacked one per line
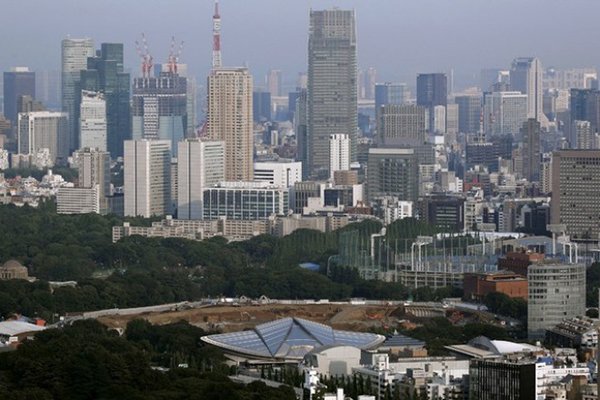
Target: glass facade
<point>290,339</point>
<point>245,203</point>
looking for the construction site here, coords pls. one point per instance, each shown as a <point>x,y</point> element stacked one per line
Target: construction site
<point>345,316</point>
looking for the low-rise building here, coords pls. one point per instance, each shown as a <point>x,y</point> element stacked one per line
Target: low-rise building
<point>12,269</point>
<point>245,201</point>
<point>574,332</point>
<point>13,332</point>
<point>477,285</point>
<point>195,229</point>
<point>78,200</point>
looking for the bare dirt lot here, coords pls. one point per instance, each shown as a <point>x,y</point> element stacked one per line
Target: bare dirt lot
<point>227,318</point>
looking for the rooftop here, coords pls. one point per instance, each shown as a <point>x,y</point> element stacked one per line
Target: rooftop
<point>289,339</point>
<point>12,328</point>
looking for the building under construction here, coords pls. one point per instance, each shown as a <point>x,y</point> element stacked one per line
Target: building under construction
<point>160,101</point>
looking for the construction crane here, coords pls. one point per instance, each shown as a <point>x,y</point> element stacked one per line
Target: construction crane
<point>173,59</point>
<point>146,59</point>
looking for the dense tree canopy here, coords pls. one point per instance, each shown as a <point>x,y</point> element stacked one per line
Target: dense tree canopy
<point>88,361</point>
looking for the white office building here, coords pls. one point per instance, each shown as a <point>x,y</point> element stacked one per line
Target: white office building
<point>77,200</point>
<point>339,153</point>
<point>147,183</point>
<point>282,173</point>
<point>439,119</point>
<point>200,164</point>
<point>92,121</point>
<point>43,130</point>
<point>504,113</point>
<point>526,76</point>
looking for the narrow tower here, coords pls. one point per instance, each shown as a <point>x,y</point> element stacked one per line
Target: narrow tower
<point>216,55</point>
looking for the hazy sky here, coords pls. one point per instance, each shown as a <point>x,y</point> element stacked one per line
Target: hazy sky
<point>398,37</point>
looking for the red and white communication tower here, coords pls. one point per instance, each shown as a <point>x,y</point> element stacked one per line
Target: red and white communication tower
<point>216,54</point>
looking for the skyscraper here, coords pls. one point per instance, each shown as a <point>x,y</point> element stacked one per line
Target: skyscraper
<point>402,125</point>
<point>584,105</point>
<point>432,90</point>
<point>105,74</point>
<point>75,53</point>
<point>469,113</point>
<point>390,93</point>
<point>366,85</point>
<point>19,81</point>
<point>92,120</point>
<point>229,118</point>
<point>332,86</point>
<point>41,130</point>
<point>159,108</point>
<point>274,83</point>
<point>261,106</point>
<point>492,76</point>
<point>339,153</point>
<point>531,150</point>
<point>200,164</point>
<point>504,113</point>
<point>575,183</point>
<point>301,130</point>
<point>526,76</point>
<point>147,180</point>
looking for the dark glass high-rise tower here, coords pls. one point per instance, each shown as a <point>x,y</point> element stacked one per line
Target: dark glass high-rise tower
<point>432,90</point>
<point>17,82</point>
<point>105,74</point>
<point>332,90</point>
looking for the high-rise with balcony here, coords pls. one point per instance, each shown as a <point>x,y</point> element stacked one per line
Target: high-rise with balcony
<point>229,119</point>
<point>75,54</point>
<point>332,85</point>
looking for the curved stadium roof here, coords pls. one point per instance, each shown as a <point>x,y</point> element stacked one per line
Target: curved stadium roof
<point>289,339</point>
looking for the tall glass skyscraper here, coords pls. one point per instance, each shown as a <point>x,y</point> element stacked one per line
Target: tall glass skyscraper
<point>332,86</point>
<point>19,81</point>
<point>104,73</point>
<point>75,54</point>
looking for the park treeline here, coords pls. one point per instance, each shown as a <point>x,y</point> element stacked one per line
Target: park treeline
<point>89,361</point>
<point>138,271</point>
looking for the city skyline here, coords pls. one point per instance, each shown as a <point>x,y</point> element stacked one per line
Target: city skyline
<point>457,33</point>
